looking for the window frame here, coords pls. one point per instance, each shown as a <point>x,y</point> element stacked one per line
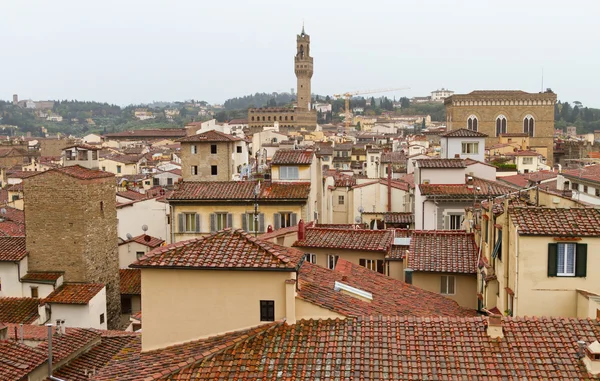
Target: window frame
<point>527,160</point>
<point>189,216</point>
<point>501,125</point>
<point>473,123</point>
<point>194,170</point>
<point>341,199</point>
<point>565,272</point>
<point>102,318</point>
<point>311,258</point>
<point>529,125</point>
<point>213,149</point>
<point>35,292</point>
<point>220,219</point>
<point>445,282</point>
<point>472,148</point>
<point>194,149</point>
<point>139,254</point>
<point>267,310</point>
<point>214,171</point>
<point>332,260</point>
<point>286,172</point>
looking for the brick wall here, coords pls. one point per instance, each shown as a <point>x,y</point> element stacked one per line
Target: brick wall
<point>205,160</point>
<point>71,226</point>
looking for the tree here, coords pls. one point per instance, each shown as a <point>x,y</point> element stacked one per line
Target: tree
<point>183,112</point>
<point>574,114</point>
<point>565,111</point>
<point>358,126</point>
<point>423,126</point>
<point>404,102</point>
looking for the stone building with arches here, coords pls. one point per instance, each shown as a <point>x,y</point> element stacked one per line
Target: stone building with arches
<point>298,116</point>
<point>504,112</point>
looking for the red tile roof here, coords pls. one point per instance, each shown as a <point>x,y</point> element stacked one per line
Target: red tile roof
<point>67,345</point>
<point>209,136</point>
<point>480,187</point>
<point>131,281</point>
<point>224,250</point>
<point>78,172</point>
<point>18,360</point>
<point>394,217</point>
<point>463,133</point>
<point>523,180</point>
<point>523,153</point>
<point>145,240</point>
<point>132,364</point>
<point>590,173</point>
<point>291,156</point>
<point>159,133</point>
<point>12,229</point>
<point>446,251</point>
<point>239,190</point>
<point>558,222</point>
<point>42,277</point>
<point>125,159</point>
<point>12,249</point>
<point>391,297</point>
<point>20,174</point>
<point>441,163</point>
<point>131,195</point>
<point>19,310</point>
<point>74,293</point>
<point>349,239</point>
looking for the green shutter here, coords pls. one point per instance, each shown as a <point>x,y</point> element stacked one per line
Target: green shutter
<point>245,218</point>
<point>552,259</point>
<point>181,222</point>
<point>581,260</point>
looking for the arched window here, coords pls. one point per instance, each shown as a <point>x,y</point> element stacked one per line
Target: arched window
<point>269,118</point>
<point>528,125</point>
<point>472,123</point>
<point>253,119</point>
<point>286,117</point>
<point>263,118</point>
<point>500,125</point>
<point>292,117</point>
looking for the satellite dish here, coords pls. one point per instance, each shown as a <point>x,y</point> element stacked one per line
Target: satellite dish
<point>129,236</point>
<point>361,209</point>
<point>3,210</point>
<point>357,219</point>
<point>145,228</point>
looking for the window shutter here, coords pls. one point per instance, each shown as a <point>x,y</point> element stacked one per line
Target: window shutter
<point>552,259</point>
<point>245,218</point>
<point>261,222</point>
<point>362,262</point>
<point>294,219</point>
<point>276,221</point>
<point>213,222</point>
<point>446,222</point>
<point>581,260</point>
<point>229,220</point>
<point>197,223</point>
<point>181,222</point>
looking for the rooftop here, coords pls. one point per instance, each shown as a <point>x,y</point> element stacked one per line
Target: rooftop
<point>18,310</point>
<point>463,133</point>
<point>74,293</point>
<point>590,173</point>
<point>146,240</point>
<point>131,281</point>
<point>564,222</point>
<point>447,251</point>
<point>77,172</point>
<point>348,239</point>
<point>441,163</point>
<point>239,190</point>
<point>523,180</point>
<point>12,249</point>
<point>18,360</point>
<point>211,136</point>
<point>42,277</point>
<point>224,250</point>
<point>480,187</point>
<point>291,156</point>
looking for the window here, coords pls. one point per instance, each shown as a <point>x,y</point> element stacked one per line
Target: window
<point>267,310</point>
<point>213,170</point>
<point>284,220</point>
<point>472,123</point>
<point>447,287</point>
<point>332,261</point>
<point>194,170</point>
<point>34,292</point>
<point>310,257</point>
<point>574,186</point>
<point>220,221</point>
<point>194,149</point>
<point>469,148</point>
<point>528,125</point>
<point>372,264</point>
<point>288,173</point>
<point>101,318</point>
<point>500,125</point>
<point>250,224</point>
<point>213,149</point>
<point>341,200</point>
<point>497,252</point>
<point>104,169</point>
<point>567,259</point>
<point>82,155</point>
<point>94,155</point>
<point>597,192</point>
<point>15,197</point>
<point>585,189</point>
<point>125,304</point>
<point>189,222</point>
<point>156,181</point>
<point>453,222</point>
<point>527,160</point>
<point>118,169</point>
<point>139,254</point>
<point>169,181</point>
<point>238,149</point>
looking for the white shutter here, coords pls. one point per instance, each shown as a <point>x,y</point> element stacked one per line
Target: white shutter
<point>213,222</point>
<point>293,219</point>
<point>276,221</point>
<point>197,223</point>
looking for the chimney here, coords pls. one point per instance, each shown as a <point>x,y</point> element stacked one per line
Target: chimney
<point>494,328</point>
<point>270,229</point>
<point>457,156</point>
<point>408,275</point>
<point>290,301</point>
<point>301,230</point>
<point>591,357</point>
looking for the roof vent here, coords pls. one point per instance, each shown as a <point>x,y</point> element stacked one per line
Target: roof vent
<point>592,358</point>
<point>353,291</point>
<point>494,328</point>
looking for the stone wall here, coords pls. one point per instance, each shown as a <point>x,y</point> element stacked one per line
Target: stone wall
<point>71,226</point>
<point>53,147</point>
<point>204,159</point>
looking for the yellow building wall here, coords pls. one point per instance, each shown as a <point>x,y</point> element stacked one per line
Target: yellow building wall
<point>304,172</point>
<point>236,210</point>
<point>396,269</point>
<point>111,166</point>
<point>349,255</point>
<point>306,310</point>
<point>465,289</point>
<point>184,305</point>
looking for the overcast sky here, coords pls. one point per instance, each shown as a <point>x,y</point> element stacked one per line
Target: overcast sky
<point>130,51</point>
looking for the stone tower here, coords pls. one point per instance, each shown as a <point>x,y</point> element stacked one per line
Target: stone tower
<point>71,226</point>
<point>304,70</point>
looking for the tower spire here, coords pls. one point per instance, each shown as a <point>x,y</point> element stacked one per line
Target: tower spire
<point>303,27</point>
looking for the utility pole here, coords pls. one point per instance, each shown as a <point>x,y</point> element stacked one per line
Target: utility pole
<point>256,193</point>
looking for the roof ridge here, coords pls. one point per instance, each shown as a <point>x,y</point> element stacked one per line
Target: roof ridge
<point>265,245</point>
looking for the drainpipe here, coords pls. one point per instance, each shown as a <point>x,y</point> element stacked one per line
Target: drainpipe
<point>514,304</point>
<point>389,186</point>
<point>50,376</point>
<point>172,223</point>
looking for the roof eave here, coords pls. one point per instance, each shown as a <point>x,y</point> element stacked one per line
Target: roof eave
<point>276,269</point>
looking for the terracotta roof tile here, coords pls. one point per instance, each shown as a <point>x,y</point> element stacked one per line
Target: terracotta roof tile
<point>351,239</point>
<point>239,190</point>
<point>447,251</point>
<point>480,188</point>
<point>131,195</point>
<point>12,229</point>
<point>209,136</point>
<point>590,173</point>
<point>223,250</point>
<point>74,293</point>
<point>441,163</point>
<point>523,180</point>
<point>564,222</point>
<point>131,281</point>
<point>145,240</point>
<point>12,249</point>
<point>291,156</point>
<point>18,360</point>
<point>390,296</point>
<point>84,146</point>
<point>463,133</point>
<point>158,133</point>
<point>73,341</point>
<point>19,310</point>
<point>395,217</point>
<point>523,153</point>
<point>42,277</point>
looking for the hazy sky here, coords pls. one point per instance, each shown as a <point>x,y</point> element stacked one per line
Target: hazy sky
<point>130,51</point>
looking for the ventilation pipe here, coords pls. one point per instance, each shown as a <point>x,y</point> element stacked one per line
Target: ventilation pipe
<point>50,376</point>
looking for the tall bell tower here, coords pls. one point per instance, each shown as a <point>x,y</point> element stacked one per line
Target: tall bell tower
<point>304,70</point>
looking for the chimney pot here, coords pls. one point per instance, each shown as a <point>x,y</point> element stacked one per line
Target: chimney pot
<point>457,156</point>
<point>301,230</point>
<point>269,229</point>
